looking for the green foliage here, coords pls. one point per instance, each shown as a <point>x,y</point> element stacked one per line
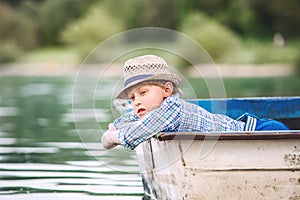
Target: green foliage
<point>127,11</point>
<point>16,28</point>
<point>140,13</point>
<point>216,39</point>
<point>277,16</point>
<point>85,33</point>
<point>252,51</point>
<point>240,17</point>
<point>17,33</point>
<point>9,52</point>
<point>55,14</point>
<point>25,25</point>
<point>254,18</point>
<point>297,65</point>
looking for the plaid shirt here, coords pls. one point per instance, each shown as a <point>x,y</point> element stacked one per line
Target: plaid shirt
<point>174,115</point>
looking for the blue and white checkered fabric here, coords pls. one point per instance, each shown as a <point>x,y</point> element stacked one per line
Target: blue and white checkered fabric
<point>174,115</point>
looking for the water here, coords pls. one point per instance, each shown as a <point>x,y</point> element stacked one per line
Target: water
<point>42,156</point>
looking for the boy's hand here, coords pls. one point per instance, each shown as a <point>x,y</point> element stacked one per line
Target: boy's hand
<point>111,127</point>
<point>110,138</point>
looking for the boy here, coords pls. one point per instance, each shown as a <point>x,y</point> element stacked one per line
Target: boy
<point>157,107</point>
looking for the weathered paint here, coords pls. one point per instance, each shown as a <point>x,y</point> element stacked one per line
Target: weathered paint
<point>221,169</point>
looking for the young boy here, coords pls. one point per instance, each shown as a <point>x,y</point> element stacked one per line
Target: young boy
<point>157,107</point>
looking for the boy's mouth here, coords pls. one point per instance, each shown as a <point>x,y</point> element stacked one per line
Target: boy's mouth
<point>140,110</point>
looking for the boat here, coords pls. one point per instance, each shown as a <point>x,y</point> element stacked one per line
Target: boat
<point>227,165</point>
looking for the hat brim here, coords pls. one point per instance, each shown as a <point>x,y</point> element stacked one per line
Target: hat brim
<point>174,78</point>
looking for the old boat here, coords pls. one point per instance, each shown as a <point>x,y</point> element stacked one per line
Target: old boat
<point>247,165</point>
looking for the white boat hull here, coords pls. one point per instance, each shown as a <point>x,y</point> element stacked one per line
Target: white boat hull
<point>221,169</point>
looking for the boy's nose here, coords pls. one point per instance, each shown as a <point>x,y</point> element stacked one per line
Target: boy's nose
<point>137,101</point>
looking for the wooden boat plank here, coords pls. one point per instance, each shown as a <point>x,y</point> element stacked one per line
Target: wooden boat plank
<point>231,169</point>
<point>262,135</point>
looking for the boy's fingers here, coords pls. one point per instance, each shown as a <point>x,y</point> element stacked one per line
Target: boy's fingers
<point>111,127</point>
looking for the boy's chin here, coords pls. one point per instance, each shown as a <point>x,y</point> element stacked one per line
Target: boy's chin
<point>140,116</point>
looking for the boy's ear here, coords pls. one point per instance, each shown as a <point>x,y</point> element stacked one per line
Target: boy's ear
<point>168,89</point>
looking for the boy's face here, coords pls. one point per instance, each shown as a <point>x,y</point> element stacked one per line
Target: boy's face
<point>145,98</point>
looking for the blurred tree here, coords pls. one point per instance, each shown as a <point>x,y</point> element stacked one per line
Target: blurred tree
<point>278,16</point>
<point>146,13</point>
<point>140,13</point>
<point>16,28</point>
<point>240,17</point>
<point>55,14</point>
<point>216,39</point>
<point>297,65</point>
<point>254,18</point>
<point>160,13</point>
<point>87,32</point>
<point>45,19</point>
<point>13,3</point>
<point>129,11</point>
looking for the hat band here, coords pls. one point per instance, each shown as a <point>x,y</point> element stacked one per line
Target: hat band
<point>135,78</point>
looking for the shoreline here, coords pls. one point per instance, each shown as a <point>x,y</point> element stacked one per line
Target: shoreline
<point>217,70</point>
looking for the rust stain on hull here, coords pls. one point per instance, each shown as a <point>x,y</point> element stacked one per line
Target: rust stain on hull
<point>292,159</point>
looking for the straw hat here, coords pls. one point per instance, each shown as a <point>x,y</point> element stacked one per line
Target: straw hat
<point>146,68</point>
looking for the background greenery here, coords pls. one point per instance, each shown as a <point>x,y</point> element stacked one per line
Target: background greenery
<point>254,31</point>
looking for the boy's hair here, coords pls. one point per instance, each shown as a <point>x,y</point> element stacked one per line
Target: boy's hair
<point>161,83</point>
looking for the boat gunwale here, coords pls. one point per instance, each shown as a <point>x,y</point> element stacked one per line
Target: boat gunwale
<point>261,135</point>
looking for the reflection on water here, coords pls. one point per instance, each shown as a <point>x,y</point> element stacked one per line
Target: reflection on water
<point>41,154</point>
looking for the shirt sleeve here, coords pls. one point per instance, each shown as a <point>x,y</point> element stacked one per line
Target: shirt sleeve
<point>125,118</point>
<point>164,118</point>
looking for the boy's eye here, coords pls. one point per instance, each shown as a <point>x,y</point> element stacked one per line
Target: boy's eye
<point>143,92</point>
<point>132,98</point>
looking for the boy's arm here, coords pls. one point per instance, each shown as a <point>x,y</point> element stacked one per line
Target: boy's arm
<point>126,118</point>
<point>164,118</point>
<point>110,138</point>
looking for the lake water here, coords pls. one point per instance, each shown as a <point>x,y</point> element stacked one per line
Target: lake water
<point>42,154</point>
<point>50,130</point>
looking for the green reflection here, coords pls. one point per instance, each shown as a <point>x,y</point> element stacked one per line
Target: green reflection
<point>40,109</point>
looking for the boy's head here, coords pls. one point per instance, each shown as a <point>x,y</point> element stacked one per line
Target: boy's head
<point>147,69</point>
<point>148,96</point>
